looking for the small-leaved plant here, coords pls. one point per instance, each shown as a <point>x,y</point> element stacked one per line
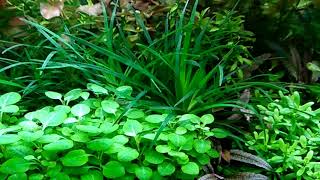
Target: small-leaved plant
<point>289,137</point>
<point>92,134</point>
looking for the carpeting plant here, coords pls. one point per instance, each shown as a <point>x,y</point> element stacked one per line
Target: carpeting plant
<point>94,133</point>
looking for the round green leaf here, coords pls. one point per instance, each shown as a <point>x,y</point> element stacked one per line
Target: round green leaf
<point>13,151</point>
<point>155,118</point>
<point>143,173</point>
<point>202,146</point>
<point>80,137</point>
<point>19,176</point>
<point>63,108</point>
<point>92,175</point>
<point>109,106</point>
<point>53,119</point>
<point>10,109</point>
<point>30,136</point>
<point>166,169</point>
<point>100,144</point>
<point>132,128</point>
<point>15,165</point>
<point>113,169</point>
<point>36,177</point>
<point>190,168</point>
<point>80,110</point>
<point>72,95</point>
<point>177,140</point>
<point>163,148</point>
<point>9,99</point>
<point>135,114</point>
<point>49,138</point>
<point>53,95</point>
<point>108,127</point>
<point>59,145</point>
<point>220,133</point>
<point>97,89</point>
<point>190,118</point>
<point>181,130</point>
<point>121,139</point>
<point>88,129</point>
<point>203,159</point>
<point>154,157</point>
<point>127,154</point>
<point>124,91</point>
<point>85,95</point>
<point>8,138</point>
<point>28,125</point>
<point>75,158</point>
<point>207,119</point>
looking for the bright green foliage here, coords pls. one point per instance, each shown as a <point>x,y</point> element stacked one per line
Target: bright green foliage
<point>87,140</point>
<point>291,137</point>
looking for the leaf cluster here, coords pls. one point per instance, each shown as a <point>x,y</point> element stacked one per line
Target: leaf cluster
<point>288,137</point>
<point>93,133</point>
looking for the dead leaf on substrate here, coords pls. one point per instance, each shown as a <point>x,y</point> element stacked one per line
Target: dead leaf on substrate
<point>240,156</point>
<point>51,10</point>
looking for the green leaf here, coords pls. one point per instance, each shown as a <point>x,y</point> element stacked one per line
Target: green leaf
<point>154,157</point>
<point>181,130</point>
<point>108,127</point>
<point>207,119</point>
<point>135,114</point>
<point>88,129</point>
<point>220,133</point>
<point>143,173</point>
<point>97,89</point>
<point>75,158</point>
<point>190,118</point>
<point>15,165</point>
<point>127,154</point>
<point>30,136</point>
<point>202,146</point>
<point>155,118</point>
<point>59,145</point>
<point>113,169</point>
<point>166,169</point>
<point>124,91</point>
<point>109,106</point>
<point>203,159</point>
<point>9,139</point>
<point>121,139</point>
<point>163,148</point>
<point>92,175</point>
<point>9,99</point>
<point>72,95</point>
<point>63,108</point>
<point>132,128</point>
<point>53,119</point>
<point>10,109</point>
<point>100,144</point>
<point>53,95</point>
<point>36,177</point>
<point>19,176</point>
<point>80,137</point>
<point>49,138</point>
<point>85,95</point>
<point>177,140</point>
<point>80,110</point>
<point>28,125</point>
<point>190,168</point>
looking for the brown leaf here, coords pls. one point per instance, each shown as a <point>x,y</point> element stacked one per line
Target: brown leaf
<point>49,11</point>
<point>3,3</point>
<point>225,154</point>
<point>91,10</point>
